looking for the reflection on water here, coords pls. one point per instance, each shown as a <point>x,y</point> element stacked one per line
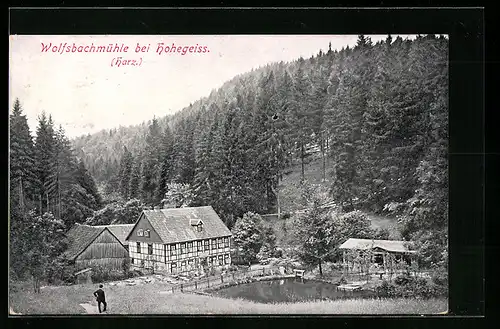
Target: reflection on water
<point>288,290</point>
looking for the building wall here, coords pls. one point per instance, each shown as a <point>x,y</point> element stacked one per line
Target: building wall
<point>180,257</point>
<point>105,251</point>
<point>143,224</point>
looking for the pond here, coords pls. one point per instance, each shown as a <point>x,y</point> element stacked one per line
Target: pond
<point>288,290</point>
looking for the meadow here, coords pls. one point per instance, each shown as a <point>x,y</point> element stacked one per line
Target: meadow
<point>156,298</point>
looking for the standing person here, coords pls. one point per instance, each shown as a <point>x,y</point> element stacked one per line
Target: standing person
<point>101,298</point>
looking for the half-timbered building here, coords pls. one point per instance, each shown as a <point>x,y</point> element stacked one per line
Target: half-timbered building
<point>178,240</point>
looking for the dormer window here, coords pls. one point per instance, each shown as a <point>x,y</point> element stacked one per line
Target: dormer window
<point>196,222</point>
<point>140,232</point>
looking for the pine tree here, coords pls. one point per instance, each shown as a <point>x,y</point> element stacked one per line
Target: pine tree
<point>87,182</point>
<point>301,114</point>
<point>22,160</point>
<point>203,183</point>
<point>44,158</point>
<point>268,116</point>
<point>75,194</point>
<point>151,164</point>
<point>167,163</point>
<point>247,236</point>
<point>125,172</point>
<point>133,187</point>
<point>23,184</point>
<point>184,162</point>
<point>312,230</point>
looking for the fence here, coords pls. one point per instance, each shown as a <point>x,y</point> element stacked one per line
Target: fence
<point>213,281</point>
<point>364,276</point>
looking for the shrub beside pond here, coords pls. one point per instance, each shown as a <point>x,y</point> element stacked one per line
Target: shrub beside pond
<point>408,286</point>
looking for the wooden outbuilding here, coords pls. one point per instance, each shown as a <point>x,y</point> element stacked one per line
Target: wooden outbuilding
<point>91,246</point>
<point>382,252</point>
<point>120,231</point>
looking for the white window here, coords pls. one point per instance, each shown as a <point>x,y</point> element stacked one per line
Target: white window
<point>146,233</point>
<point>140,232</point>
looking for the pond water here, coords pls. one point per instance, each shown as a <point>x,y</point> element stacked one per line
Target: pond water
<point>288,290</point>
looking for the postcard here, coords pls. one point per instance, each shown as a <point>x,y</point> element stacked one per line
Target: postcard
<point>228,174</point>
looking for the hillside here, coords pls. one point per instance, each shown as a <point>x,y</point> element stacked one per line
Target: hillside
<point>314,174</point>
<point>368,122</point>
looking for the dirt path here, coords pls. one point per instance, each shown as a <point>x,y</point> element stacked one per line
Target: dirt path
<point>89,308</point>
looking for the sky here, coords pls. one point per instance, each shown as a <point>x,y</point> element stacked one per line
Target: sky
<point>84,93</point>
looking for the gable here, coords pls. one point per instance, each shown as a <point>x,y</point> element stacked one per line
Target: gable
<point>143,224</point>
<point>104,245</point>
<point>120,231</point>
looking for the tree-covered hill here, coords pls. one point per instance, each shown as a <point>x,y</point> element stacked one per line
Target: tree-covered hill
<point>374,117</point>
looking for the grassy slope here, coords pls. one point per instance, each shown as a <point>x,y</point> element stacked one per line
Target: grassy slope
<point>148,299</point>
<point>313,173</point>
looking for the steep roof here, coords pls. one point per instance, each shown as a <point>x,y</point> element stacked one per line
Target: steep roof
<point>388,245</point>
<point>80,237</point>
<point>119,230</point>
<point>176,224</point>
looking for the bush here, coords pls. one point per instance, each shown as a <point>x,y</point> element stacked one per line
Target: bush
<point>440,279</point>
<point>233,268</point>
<point>385,289</point>
<point>60,270</point>
<point>126,266</point>
<point>100,274</point>
<point>402,280</point>
<point>407,286</point>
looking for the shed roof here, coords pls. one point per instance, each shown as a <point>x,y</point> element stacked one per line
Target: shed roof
<point>174,224</point>
<point>119,230</point>
<point>388,245</point>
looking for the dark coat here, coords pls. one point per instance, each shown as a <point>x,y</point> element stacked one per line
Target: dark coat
<point>99,294</point>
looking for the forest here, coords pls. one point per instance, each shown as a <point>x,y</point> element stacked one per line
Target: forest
<point>376,114</point>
